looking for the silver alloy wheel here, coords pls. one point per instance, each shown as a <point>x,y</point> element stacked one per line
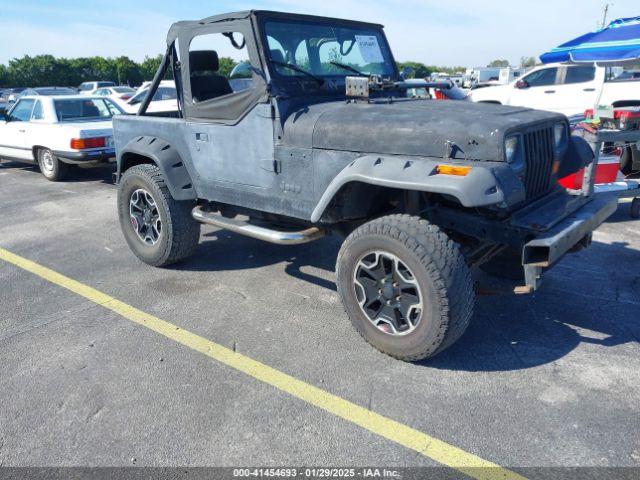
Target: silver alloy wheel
<point>388,293</point>
<point>145,217</point>
<point>47,161</point>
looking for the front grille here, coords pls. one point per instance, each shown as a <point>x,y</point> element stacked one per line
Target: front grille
<point>539,153</point>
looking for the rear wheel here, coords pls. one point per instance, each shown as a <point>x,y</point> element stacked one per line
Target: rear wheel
<point>159,230</point>
<point>50,166</point>
<point>405,286</point>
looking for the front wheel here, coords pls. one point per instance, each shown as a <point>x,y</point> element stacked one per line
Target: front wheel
<point>50,166</point>
<point>159,229</point>
<point>405,286</point>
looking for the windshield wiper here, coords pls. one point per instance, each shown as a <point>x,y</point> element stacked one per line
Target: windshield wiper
<point>349,68</point>
<point>296,68</point>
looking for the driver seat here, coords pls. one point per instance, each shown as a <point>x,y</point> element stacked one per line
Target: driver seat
<point>206,83</point>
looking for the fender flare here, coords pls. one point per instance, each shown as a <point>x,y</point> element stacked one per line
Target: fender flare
<point>166,158</point>
<point>485,184</point>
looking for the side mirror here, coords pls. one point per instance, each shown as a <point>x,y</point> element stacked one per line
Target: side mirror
<point>522,84</point>
<point>242,70</point>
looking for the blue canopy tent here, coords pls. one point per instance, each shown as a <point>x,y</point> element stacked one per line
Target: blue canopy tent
<point>617,43</point>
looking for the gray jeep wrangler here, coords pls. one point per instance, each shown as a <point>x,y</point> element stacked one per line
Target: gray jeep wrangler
<point>312,133</point>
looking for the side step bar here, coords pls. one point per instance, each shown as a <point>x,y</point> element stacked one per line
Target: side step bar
<point>254,231</point>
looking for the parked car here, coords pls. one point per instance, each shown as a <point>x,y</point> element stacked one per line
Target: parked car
<point>85,88</point>
<point>4,93</point>
<point>46,91</point>
<point>441,90</point>
<point>115,93</point>
<point>12,93</point>
<point>566,89</point>
<point>57,131</point>
<point>144,85</point>
<point>628,75</point>
<point>420,190</point>
<point>41,91</point>
<point>165,99</point>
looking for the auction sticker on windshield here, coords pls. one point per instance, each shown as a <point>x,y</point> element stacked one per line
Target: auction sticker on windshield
<point>369,48</point>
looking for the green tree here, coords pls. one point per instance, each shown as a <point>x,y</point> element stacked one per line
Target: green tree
<point>4,76</point>
<point>86,69</point>
<point>527,62</point>
<point>226,65</point>
<point>103,68</point>
<point>499,63</point>
<point>127,71</point>
<point>420,70</point>
<point>25,68</point>
<point>149,66</point>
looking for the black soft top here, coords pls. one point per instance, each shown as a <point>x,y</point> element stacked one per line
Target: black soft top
<point>186,25</point>
<point>229,108</point>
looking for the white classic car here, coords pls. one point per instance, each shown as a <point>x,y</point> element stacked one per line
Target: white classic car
<point>59,131</point>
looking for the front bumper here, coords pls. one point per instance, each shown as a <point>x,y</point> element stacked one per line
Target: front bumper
<point>550,246</point>
<point>89,156</point>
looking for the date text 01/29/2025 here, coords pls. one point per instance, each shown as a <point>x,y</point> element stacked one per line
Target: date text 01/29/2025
<point>314,473</point>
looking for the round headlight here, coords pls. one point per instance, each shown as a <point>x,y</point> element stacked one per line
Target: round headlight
<point>560,136</point>
<point>511,148</point>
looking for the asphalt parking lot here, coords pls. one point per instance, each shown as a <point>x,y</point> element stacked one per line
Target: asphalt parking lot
<point>549,380</point>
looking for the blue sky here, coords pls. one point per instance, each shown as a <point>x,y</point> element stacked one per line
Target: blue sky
<point>456,32</point>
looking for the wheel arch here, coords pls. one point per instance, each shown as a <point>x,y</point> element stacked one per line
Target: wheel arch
<point>35,149</point>
<point>159,152</point>
<point>399,175</point>
<point>356,200</point>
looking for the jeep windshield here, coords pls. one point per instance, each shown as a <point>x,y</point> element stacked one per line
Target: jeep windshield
<point>323,49</point>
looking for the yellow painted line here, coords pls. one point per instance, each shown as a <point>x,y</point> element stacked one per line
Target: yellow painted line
<point>399,433</point>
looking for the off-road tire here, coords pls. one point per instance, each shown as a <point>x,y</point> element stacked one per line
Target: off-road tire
<point>51,167</point>
<point>444,281</point>
<point>507,265</point>
<point>180,233</point>
<point>635,208</point>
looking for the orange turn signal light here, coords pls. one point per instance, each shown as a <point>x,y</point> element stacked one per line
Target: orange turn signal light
<point>556,167</point>
<point>451,170</point>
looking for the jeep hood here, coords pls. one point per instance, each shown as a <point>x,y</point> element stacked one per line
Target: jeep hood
<point>411,127</point>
